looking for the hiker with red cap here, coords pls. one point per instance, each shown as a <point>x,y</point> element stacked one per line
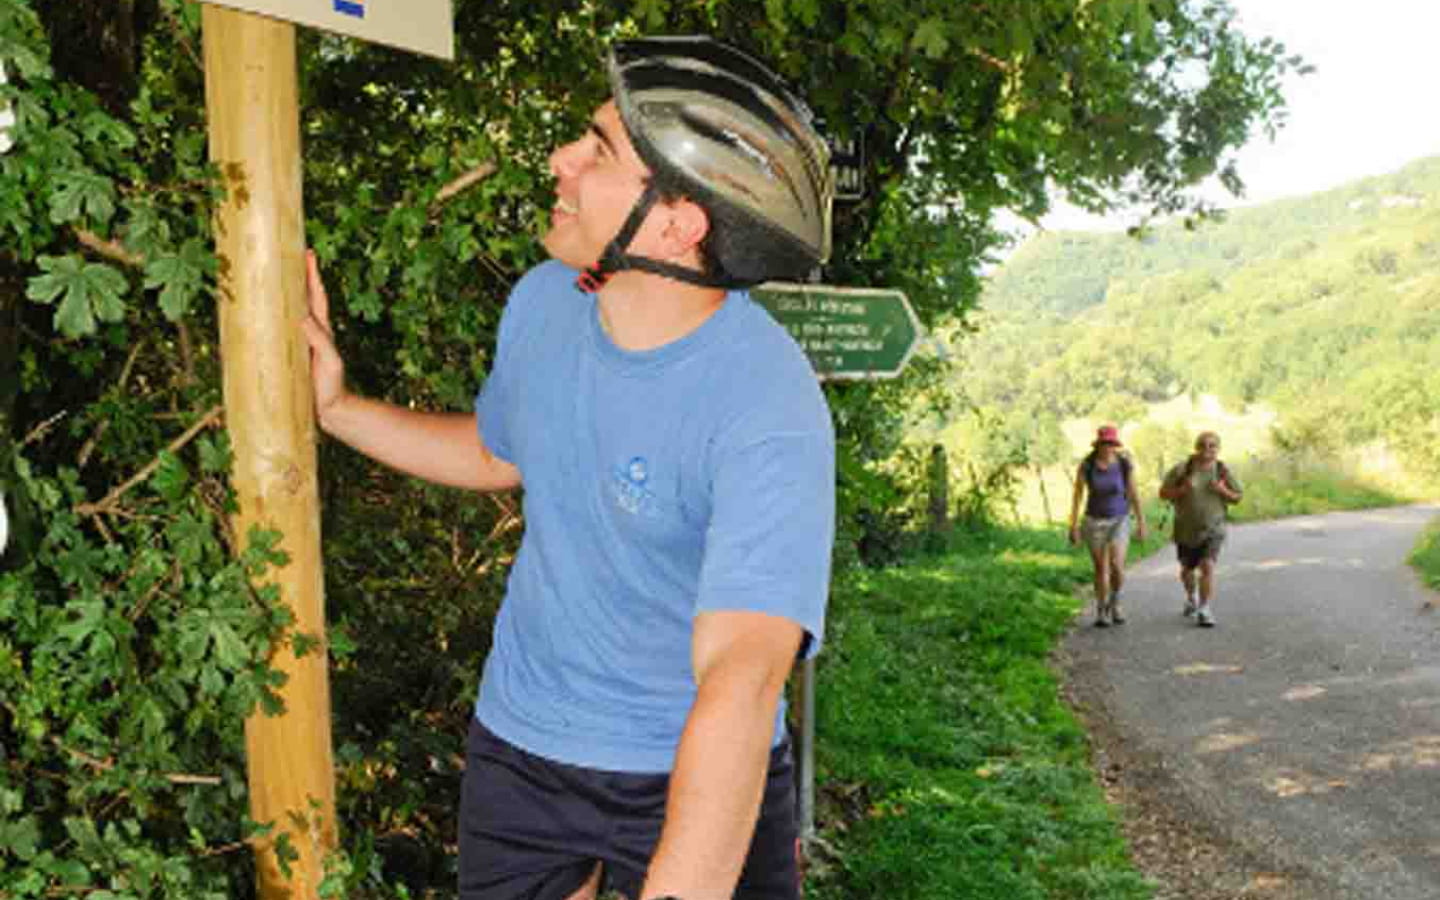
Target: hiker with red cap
<point>1106,475</point>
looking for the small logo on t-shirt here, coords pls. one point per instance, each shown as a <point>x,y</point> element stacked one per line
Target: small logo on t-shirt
<point>631,492</point>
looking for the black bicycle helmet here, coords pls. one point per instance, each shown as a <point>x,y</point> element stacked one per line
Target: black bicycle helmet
<point>718,127</point>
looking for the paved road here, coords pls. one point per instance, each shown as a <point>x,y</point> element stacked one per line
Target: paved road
<point>1307,725</point>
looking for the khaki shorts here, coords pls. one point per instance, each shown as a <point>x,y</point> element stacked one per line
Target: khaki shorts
<point>1101,533</point>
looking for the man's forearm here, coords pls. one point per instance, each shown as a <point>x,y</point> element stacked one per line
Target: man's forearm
<point>441,447</point>
<point>715,789</point>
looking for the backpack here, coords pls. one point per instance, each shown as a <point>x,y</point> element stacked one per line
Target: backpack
<point>1088,467</point>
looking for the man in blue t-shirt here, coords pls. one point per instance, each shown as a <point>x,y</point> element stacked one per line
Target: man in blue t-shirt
<point>677,458</point>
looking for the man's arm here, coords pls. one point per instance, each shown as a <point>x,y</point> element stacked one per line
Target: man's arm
<point>741,662</point>
<point>445,448</point>
<point>1226,492</point>
<point>1173,488</point>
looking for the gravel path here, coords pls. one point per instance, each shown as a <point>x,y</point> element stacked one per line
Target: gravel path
<point>1294,751</point>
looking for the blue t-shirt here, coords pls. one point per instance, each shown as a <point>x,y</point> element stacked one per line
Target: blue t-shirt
<point>695,476</point>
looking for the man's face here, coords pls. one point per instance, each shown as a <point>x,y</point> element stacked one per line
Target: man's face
<point>598,178</point>
<point>1208,448</point>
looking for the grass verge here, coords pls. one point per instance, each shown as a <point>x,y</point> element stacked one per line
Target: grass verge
<point>1274,489</point>
<point>948,766</point>
<point>1426,555</point>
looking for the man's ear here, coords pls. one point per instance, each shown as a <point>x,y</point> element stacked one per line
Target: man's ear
<point>687,224</point>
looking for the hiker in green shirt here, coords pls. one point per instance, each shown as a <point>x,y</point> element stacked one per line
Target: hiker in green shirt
<point>1201,489</point>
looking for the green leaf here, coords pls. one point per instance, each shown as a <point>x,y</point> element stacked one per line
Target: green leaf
<point>86,291</point>
<point>930,38</point>
<point>180,276</point>
<point>83,833</point>
<point>72,872</point>
<point>171,479</point>
<point>229,649</point>
<point>81,193</point>
<point>303,643</point>
<point>99,128</point>
<point>285,853</point>
<point>215,453</point>
<point>21,838</point>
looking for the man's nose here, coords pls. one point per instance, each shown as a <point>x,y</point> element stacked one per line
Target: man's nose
<point>564,159</point>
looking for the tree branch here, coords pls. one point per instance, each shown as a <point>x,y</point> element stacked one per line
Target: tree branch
<point>468,180</point>
<point>109,249</point>
<point>107,504</point>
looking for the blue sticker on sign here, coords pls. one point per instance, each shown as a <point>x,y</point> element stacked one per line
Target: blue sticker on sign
<point>354,8</point>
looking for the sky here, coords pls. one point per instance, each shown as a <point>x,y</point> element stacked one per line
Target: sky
<point>1367,109</point>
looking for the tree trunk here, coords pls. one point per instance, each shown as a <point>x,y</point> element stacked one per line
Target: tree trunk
<point>1044,494</point>
<point>939,478</point>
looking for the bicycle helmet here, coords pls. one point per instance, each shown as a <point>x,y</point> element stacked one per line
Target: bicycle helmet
<point>716,126</point>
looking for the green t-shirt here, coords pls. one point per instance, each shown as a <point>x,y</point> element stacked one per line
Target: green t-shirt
<point>1200,513</point>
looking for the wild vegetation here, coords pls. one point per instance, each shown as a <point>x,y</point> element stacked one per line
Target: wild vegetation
<point>1314,322</point>
<point>1426,556</point>
<point>132,643</point>
<point>949,766</point>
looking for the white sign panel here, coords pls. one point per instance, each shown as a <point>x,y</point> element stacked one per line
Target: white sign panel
<point>422,26</point>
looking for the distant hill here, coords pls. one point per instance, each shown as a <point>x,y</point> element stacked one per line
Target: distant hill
<point>1325,307</point>
<point>1066,272</point>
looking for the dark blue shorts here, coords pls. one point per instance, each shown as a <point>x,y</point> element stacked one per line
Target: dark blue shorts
<point>533,829</point>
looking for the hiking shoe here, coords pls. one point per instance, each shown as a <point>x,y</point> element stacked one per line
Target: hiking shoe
<point>1189,609</point>
<point>1102,620</point>
<point>1204,618</point>
<point>1116,616</point>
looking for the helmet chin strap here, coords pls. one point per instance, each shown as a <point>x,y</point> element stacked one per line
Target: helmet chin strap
<point>615,259</point>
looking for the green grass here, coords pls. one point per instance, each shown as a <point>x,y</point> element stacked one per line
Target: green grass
<point>1426,555</point>
<point>947,764</point>
<point>1274,489</point>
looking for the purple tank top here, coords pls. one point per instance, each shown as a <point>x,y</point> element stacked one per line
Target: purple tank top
<point>1106,497</point>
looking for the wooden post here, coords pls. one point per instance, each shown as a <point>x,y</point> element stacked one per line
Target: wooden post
<point>251,96</point>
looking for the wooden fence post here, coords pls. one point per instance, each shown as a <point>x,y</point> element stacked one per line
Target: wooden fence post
<point>251,92</point>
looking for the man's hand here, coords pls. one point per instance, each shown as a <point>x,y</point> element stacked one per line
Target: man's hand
<point>1141,533</point>
<point>327,369</point>
<point>1219,487</point>
<point>1074,535</point>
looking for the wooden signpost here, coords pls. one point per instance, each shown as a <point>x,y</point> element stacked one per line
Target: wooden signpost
<point>251,89</point>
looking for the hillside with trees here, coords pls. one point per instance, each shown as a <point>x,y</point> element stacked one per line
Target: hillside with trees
<point>1324,308</point>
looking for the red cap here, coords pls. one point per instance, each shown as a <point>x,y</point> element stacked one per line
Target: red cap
<point>1108,434</point>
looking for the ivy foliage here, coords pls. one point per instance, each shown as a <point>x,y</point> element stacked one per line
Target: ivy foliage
<point>133,642</point>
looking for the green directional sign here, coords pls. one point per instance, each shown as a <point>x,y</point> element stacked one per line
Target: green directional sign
<point>846,332</point>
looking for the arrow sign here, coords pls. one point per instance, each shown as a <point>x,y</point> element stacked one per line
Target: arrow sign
<point>846,332</point>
